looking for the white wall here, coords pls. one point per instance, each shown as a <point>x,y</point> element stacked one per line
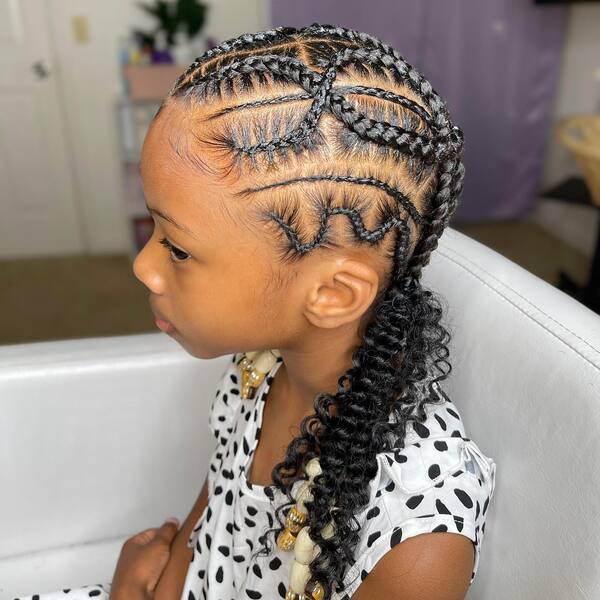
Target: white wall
<point>89,80</point>
<point>579,85</point>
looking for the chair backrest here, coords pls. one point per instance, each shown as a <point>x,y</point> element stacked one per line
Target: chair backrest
<point>100,438</point>
<point>103,437</point>
<point>526,378</point>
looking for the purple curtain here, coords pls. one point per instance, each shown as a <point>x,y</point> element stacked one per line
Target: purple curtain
<point>496,65</point>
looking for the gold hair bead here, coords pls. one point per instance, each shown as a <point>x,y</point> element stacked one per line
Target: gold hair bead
<point>293,524</point>
<point>255,365</point>
<point>296,516</point>
<point>295,519</point>
<point>286,540</point>
<point>315,591</point>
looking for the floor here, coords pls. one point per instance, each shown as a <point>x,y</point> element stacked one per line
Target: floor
<point>77,297</point>
<point>71,297</point>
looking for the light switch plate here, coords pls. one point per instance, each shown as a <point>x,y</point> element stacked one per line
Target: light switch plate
<point>81,29</point>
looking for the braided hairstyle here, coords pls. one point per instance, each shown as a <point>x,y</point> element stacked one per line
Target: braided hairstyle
<point>333,121</point>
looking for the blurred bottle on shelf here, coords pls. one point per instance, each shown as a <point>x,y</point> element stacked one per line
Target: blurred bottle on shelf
<point>182,50</point>
<point>161,53</point>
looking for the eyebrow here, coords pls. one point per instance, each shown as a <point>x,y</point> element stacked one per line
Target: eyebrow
<point>166,217</point>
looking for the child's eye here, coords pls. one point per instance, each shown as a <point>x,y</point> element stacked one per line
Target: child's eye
<point>174,251</point>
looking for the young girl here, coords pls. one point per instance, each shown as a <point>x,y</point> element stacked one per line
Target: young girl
<point>299,180</point>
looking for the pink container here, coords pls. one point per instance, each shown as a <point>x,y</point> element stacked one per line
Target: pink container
<point>151,82</point>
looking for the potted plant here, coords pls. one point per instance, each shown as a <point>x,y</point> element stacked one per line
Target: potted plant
<point>188,16</point>
<point>167,48</point>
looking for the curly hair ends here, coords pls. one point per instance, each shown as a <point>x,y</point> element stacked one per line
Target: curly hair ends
<point>386,388</point>
<point>393,151</point>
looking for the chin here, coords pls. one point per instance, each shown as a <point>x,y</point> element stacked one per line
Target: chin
<point>198,352</point>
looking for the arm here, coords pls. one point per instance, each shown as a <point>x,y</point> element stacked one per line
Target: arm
<point>124,594</point>
<point>141,562</point>
<point>430,566</point>
<point>171,582</point>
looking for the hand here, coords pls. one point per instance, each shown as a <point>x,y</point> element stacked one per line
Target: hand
<point>142,561</point>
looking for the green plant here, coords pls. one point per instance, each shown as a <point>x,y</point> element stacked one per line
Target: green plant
<point>186,15</point>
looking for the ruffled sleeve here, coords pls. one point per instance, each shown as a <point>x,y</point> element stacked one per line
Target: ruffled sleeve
<point>436,484</point>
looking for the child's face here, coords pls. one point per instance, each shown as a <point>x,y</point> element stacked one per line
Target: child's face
<point>214,288</point>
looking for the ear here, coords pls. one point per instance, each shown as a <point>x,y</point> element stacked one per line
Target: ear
<point>342,294</point>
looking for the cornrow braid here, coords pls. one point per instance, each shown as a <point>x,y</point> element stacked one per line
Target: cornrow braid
<point>372,133</point>
<point>443,205</point>
<point>404,68</point>
<point>319,86</point>
<point>262,102</point>
<point>245,41</point>
<point>396,194</point>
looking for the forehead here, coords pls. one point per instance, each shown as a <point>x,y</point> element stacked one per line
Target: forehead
<point>168,135</point>
<point>172,184</point>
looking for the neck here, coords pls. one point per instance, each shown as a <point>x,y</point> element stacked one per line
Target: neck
<point>311,370</point>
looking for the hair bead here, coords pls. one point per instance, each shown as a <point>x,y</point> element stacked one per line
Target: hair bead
<point>299,576</point>
<point>304,495</point>
<point>315,591</point>
<point>286,540</point>
<point>305,550</point>
<point>255,365</point>
<point>295,519</point>
<point>313,468</point>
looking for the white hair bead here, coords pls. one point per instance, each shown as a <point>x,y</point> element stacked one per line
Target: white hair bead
<point>264,361</point>
<point>313,468</point>
<point>305,550</point>
<point>304,495</point>
<point>299,576</point>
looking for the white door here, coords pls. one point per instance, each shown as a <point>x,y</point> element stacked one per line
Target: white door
<point>38,209</point>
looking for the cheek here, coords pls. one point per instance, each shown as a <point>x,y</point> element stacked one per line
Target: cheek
<point>227,301</point>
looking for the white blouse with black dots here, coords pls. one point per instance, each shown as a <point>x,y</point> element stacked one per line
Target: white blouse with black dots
<point>439,481</point>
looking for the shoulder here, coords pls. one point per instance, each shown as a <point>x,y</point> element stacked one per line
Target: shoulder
<point>430,566</point>
<point>439,482</point>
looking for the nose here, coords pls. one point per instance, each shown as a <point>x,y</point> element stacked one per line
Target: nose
<point>145,270</point>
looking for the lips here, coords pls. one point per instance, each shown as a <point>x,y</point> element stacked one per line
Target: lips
<point>162,323</point>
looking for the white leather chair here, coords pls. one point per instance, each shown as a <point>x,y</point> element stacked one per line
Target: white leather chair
<point>101,438</point>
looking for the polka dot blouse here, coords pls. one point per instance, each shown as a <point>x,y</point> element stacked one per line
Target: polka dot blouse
<point>439,481</point>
